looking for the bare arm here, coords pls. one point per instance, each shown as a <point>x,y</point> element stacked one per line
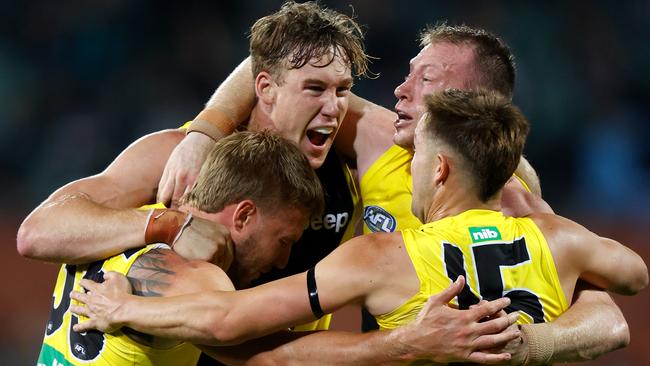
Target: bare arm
<point>227,317</point>
<point>229,106</point>
<point>439,333</point>
<point>365,133</point>
<point>95,217</point>
<point>603,262</point>
<point>77,223</point>
<point>591,327</point>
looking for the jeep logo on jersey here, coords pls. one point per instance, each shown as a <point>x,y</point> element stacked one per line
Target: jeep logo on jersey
<point>377,219</point>
<point>484,233</point>
<point>336,221</point>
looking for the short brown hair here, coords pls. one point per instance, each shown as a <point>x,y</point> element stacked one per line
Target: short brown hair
<point>260,166</point>
<point>495,64</point>
<point>298,33</point>
<point>485,128</point>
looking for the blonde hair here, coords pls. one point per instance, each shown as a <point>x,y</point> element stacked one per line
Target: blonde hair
<point>297,33</point>
<point>260,166</point>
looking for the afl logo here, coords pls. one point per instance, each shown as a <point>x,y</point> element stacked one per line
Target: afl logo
<point>377,219</point>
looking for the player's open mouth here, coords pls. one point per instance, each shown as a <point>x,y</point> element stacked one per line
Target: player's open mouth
<point>403,117</point>
<point>318,136</point>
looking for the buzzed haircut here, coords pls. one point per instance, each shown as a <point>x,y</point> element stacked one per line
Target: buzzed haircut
<point>485,128</point>
<point>298,33</point>
<point>260,166</point>
<point>493,60</point>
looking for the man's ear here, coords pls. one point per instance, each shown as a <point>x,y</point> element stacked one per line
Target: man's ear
<point>265,87</point>
<point>441,170</point>
<point>245,215</point>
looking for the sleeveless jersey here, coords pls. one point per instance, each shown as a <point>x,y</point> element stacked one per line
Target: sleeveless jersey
<point>63,346</point>
<point>325,232</point>
<point>387,190</point>
<point>498,255</point>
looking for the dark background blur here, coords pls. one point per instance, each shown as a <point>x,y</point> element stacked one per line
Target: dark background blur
<point>80,80</point>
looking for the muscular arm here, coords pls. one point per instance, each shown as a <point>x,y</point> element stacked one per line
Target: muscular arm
<point>592,326</point>
<point>579,253</point>
<point>213,317</point>
<point>365,133</point>
<point>77,223</point>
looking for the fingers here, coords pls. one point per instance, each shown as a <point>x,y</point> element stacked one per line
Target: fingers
<point>111,276</point>
<point>488,358</point>
<point>445,296</point>
<point>90,285</point>
<point>79,296</point>
<point>80,310</point>
<point>497,325</point>
<point>489,341</point>
<point>490,308</point>
<point>482,302</point>
<point>84,326</point>
<point>180,186</point>
<point>165,188</point>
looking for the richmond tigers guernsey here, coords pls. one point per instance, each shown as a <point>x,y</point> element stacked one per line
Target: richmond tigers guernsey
<point>63,346</point>
<point>498,255</point>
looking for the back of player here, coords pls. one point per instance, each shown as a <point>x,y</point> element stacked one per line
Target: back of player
<point>498,255</point>
<point>63,346</point>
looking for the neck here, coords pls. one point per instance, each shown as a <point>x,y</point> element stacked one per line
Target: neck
<point>452,203</point>
<point>260,119</point>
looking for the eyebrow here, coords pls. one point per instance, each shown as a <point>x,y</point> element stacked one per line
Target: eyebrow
<point>347,81</point>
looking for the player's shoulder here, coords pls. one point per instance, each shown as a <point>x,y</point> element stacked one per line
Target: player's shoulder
<point>560,231</point>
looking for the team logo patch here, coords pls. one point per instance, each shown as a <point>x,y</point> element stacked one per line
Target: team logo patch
<point>377,219</point>
<point>484,233</point>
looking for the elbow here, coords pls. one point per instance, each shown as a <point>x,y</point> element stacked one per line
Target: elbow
<point>221,334</point>
<point>26,240</point>
<point>222,330</point>
<point>620,335</point>
<point>643,282</point>
<point>640,280</point>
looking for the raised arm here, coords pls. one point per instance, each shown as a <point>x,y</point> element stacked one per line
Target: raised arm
<point>365,133</point>
<point>96,217</point>
<point>230,105</point>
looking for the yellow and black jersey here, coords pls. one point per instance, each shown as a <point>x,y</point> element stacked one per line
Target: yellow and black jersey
<point>498,255</point>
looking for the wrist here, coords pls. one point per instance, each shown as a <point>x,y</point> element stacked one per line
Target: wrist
<point>398,346</point>
<point>165,226</point>
<point>540,343</point>
<point>122,316</point>
<point>213,123</point>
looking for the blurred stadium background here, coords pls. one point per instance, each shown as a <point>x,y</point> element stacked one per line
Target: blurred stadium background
<point>80,80</point>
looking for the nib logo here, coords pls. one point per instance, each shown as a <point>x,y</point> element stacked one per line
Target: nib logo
<point>485,233</point>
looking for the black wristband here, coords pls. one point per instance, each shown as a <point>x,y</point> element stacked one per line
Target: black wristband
<point>312,290</point>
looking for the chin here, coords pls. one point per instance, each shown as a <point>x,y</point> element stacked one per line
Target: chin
<point>403,139</point>
<point>316,161</point>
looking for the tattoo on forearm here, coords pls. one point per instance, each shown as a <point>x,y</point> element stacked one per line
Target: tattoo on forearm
<point>150,274</point>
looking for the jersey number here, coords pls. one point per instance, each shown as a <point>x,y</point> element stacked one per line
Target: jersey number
<point>84,346</point>
<point>489,258</point>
